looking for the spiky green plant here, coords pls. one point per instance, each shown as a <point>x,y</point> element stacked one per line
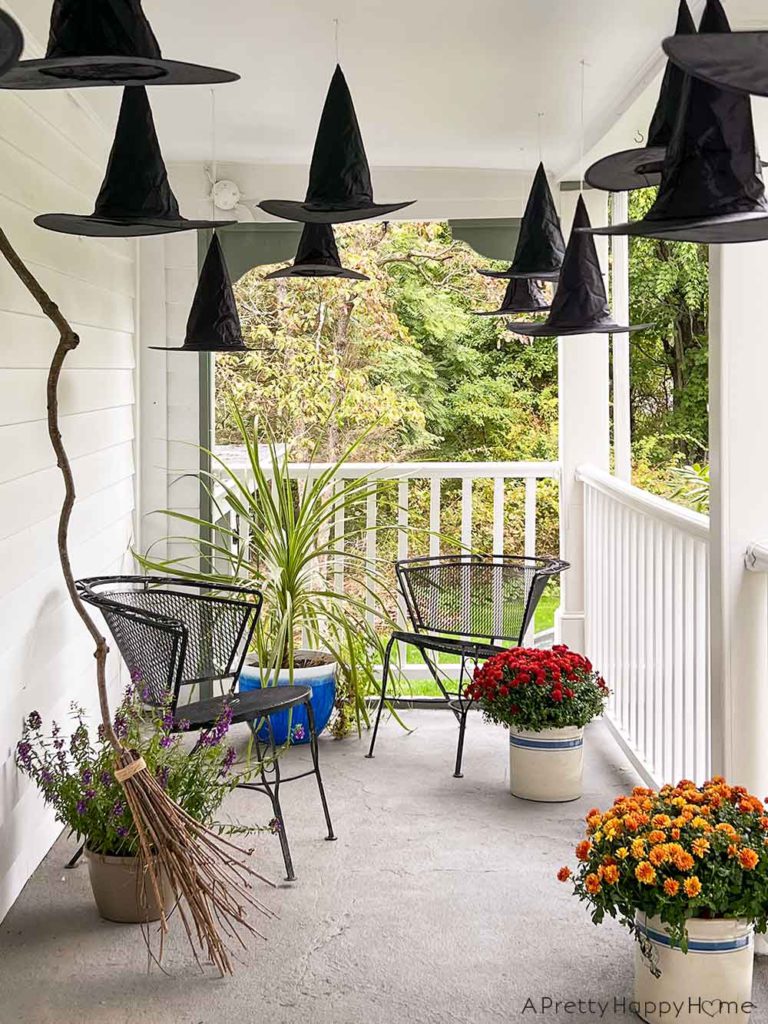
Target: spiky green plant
<point>297,532</point>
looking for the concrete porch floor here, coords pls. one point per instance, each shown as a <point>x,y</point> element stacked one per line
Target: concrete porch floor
<point>437,905</point>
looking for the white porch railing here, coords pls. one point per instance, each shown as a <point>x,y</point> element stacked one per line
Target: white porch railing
<point>647,623</point>
<point>414,519</point>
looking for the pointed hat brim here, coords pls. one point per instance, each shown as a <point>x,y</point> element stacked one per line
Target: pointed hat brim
<point>546,330</point>
<point>513,310</point>
<point>735,60</point>
<point>316,270</point>
<point>515,275</point>
<point>729,229</point>
<point>90,72</point>
<point>629,169</point>
<point>91,226</point>
<point>305,213</point>
<point>11,42</point>
<point>190,348</point>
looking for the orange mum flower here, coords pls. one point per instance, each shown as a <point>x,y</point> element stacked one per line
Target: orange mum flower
<point>582,850</point>
<point>645,873</point>
<point>726,828</point>
<point>657,836</point>
<point>564,874</point>
<point>659,854</point>
<point>692,887</point>
<point>748,859</point>
<point>684,861</point>
<point>592,884</point>
<point>638,848</point>
<point>700,847</point>
<point>671,887</point>
<point>610,874</point>
<point>661,821</point>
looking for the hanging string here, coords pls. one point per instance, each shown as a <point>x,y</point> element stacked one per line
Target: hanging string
<point>581,141</point>
<point>539,118</point>
<point>214,174</point>
<point>336,39</point>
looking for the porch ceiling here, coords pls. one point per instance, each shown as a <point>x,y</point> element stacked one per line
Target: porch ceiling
<point>437,83</point>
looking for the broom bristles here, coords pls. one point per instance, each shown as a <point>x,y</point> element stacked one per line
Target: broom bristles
<point>208,874</point>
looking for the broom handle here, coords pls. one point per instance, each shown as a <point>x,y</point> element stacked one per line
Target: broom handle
<point>68,342</point>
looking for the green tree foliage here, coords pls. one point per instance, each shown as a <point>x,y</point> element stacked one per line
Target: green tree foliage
<point>669,290</point>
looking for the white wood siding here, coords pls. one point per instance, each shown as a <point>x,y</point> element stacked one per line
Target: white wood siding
<point>52,156</point>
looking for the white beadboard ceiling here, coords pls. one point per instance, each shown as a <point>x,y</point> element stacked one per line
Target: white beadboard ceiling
<point>437,83</point>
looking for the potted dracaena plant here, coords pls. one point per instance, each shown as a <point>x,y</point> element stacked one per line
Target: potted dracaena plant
<point>288,533</point>
<point>75,777</point>
<point>685,869</point>
<point>544,698</point>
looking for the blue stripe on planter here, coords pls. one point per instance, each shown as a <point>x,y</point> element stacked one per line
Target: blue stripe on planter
<point>700,945</point>
<point>525,743</point>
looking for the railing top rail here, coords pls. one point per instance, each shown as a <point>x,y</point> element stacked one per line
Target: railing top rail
<point>419,470</point>
<point>694,524</point>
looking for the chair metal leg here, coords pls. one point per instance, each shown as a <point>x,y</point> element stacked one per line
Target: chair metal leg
<point>384,678</point>
<point>76,858</point>
<point>458,774</point>
<point>272,789</point>
<point>313,746</point>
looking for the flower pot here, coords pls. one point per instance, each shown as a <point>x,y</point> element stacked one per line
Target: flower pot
<point>546,765</point>
<point>117,890</point>
<point>712,982</point>
<point>293,723</point>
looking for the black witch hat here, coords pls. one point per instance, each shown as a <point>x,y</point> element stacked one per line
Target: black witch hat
<point>105,42</point>
<point>640,168</point>
<point>340,186</point>
<point>736,61</point>
<point>11,42</point>
<point>580,305</point>
<point>317,256</point>
<point>712,187</point>
<point>540,245</point>
<point>136,196</point>
<point>523,295</point>
<point>213,324</point>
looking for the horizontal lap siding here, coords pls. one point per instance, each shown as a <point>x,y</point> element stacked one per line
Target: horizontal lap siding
<point>52,155</point>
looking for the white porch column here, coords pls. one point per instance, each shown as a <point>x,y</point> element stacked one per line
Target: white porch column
<point>583,385</point>
<point>738,426</point>
<point>622,431</point>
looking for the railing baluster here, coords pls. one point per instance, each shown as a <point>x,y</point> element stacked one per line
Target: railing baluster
<point>402,539</point>
<point>434,515</point>
<point>466,513</point>
<point>530,538</point>
<point>371,539</point>
<point>498,516</point>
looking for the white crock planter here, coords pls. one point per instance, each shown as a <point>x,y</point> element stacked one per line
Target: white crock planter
<point>547,765</point>
<point>712,981</point>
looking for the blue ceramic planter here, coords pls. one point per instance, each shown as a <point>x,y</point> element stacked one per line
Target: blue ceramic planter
<point>321,679</point>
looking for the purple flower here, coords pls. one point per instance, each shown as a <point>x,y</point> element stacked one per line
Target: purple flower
<point>167,741</point>
<point>89,795</point>
<point>183,725</point>
<point>47,776</point>
<point>34,721</point>
<point>299,733</point>
<point>136,675</point>
<point>213,737</point>
<point>81,807</point>
<point>120,726</point>
<point>106,778</point>
<point>275,826</point>
<point>146,695</point>
<point>58,743</point>
<point>87,777</point>
<point>55,729</point>
<point>118,809</point>
<point>228,761</point>
<point>122,831</point>
<point>24,753</point>
<point>167,722</point>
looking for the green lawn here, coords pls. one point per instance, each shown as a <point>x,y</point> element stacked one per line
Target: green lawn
<point>544,619</point>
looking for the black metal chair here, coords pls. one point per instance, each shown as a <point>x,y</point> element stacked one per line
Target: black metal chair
<point>470,606</point>
<point>177,633</point>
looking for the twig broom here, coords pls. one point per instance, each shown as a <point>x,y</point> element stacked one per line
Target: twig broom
<point>207,873</point>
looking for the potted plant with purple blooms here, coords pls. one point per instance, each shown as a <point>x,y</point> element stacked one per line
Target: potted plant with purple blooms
<point>75,774</point>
